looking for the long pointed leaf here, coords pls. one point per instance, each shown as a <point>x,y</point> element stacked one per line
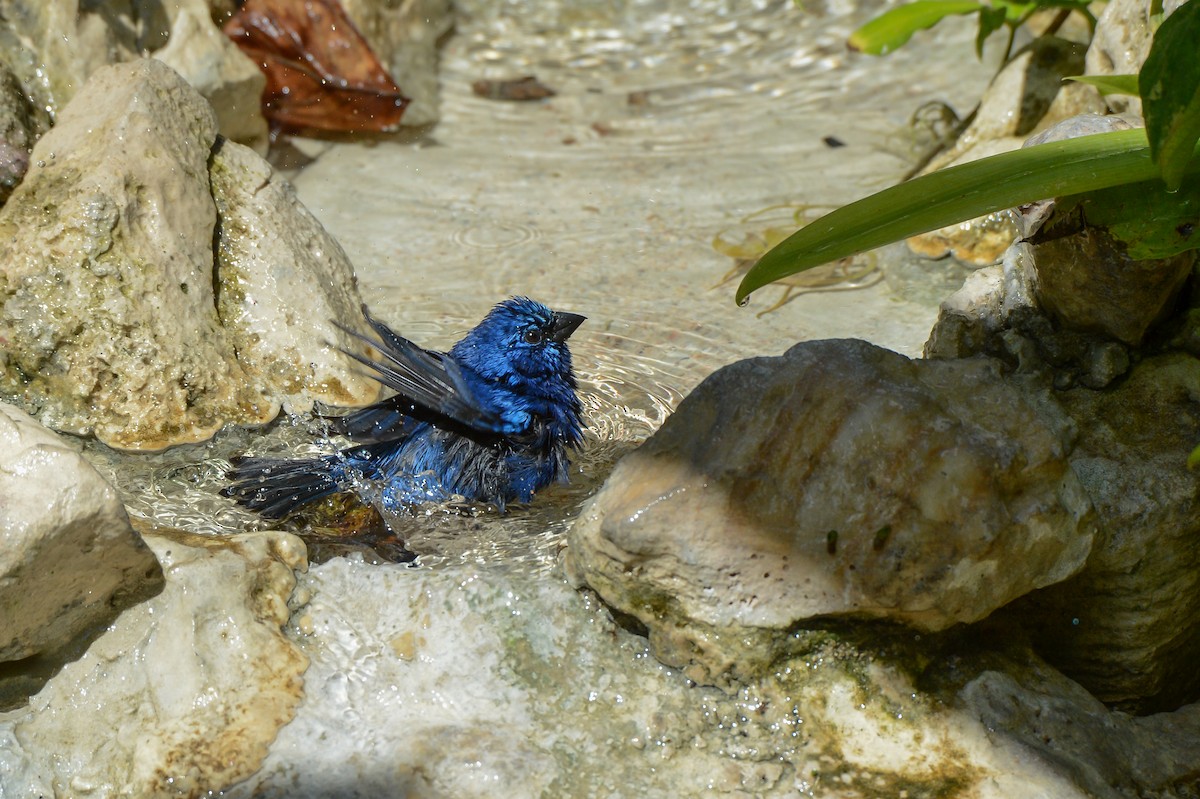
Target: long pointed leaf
<point>1170,85</point>
<point>1109,84</point>
<point>893,28</point>
<point>956,194</point>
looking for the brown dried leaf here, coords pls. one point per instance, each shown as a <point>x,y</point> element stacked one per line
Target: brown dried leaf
<point>321,73</point>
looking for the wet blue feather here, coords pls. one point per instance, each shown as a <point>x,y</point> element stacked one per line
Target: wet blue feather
<point>491,421</point>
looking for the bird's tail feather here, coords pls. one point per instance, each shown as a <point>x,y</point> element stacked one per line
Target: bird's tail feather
<point>275,488</point>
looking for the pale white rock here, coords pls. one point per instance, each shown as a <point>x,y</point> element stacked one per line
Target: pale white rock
<point>215,67</point>
<point>1026,96</point>
<point>840,479</point>
<point>69,560</point>
<point>1120,45</point>
<point>474,680</point>
<point>69,40</point>
<point>283,281</point>
<point>182,695</point>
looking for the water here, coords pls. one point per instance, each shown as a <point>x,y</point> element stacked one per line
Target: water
<point>675,123</point>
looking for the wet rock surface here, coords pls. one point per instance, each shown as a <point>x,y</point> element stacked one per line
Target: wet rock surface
<point>461,705</point>
<point>838,480</point>
<point>69,560</point>
<point>183,693</point>
<point>1027,95</point>
<point>215,67</point>
<point>282,281</point>
<point>108,308</point>
<point>107,285</point>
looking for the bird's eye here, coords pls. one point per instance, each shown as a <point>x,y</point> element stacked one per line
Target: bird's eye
<point>532,336</point>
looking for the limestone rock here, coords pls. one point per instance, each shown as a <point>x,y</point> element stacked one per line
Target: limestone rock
<point>463,682</point>
<point>405,36</point>
<point>1103,753</point>
<point>1128,625</point>
<point>107,299</point>
<point>69,561</point>
<point>215,67</point>
<point>106,270</point>
<point>840,479</point>
<point>184,693</point>
<point>56,45</point>
<point>1120,45</point>
<point>282,280</point>
<point>70,40</point>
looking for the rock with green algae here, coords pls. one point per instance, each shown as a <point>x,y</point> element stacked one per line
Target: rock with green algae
<point>182,694</point>
<point>69,560</point>
<point>840,479</point>
<point>107,306</point>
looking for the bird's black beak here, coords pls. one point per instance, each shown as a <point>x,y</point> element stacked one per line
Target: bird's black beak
<point>564,325</point>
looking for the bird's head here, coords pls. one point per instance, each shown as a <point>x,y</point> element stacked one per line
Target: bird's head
<point>520,339</point>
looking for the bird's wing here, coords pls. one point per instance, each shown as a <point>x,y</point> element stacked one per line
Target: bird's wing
<point>387,420</point>
<point>429,379</point>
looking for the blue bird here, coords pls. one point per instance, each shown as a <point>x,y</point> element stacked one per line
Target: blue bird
<point>489,421</point>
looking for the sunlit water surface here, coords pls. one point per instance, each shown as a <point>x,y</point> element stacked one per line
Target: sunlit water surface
<point>676,124</point>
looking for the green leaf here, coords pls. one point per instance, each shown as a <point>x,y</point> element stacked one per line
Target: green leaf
<point>1193,461</point>
<point>1151,221</point>
<point>1170,88</point>
<point>1015,13</point>
<point>990,20</point>
<point>1054,169</point>
<point>893,28</point>
<point>1109,84</point>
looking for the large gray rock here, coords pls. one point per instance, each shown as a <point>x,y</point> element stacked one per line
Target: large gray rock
<point>1128,625</point>
<point>1105,754</point>
<point>69,561</point>
<point>840,479</point>
<point>183,694</point>
<point>107,302</point>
